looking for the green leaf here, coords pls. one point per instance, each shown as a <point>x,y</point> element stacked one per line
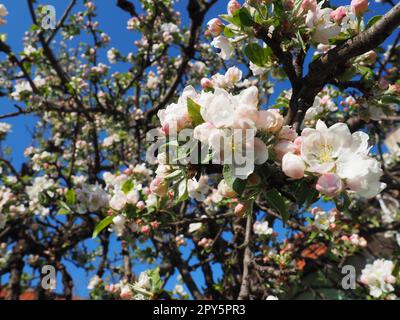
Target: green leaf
<point>127,186</point>
<point>64,208</point>
<point>228,32</point>
<point>194,112</point>
<point>277,202</point>
<point>257,54</point>
<point>372,21</point>
<point>101,225</point>
<point>70,197</point>
<point>183,191</point>
<point>245,17</point>
<point>388,99</point>
<point>234,19</point>
<point>173,175</point>
<point>156,281</point>
<point>236,184</point>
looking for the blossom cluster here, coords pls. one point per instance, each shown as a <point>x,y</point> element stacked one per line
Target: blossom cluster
<point>338,158</point>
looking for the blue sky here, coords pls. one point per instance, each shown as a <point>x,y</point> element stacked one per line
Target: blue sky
<point>113,22</point>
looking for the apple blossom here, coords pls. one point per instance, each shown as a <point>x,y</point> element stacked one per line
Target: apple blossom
<point>293,166</point>
<point>359,6</point>
<point>3,13</point>
<point>193,227</point>
<point>215,26</point>
<point>262,228</point>
<point>159,186</point>
<point>338,14</point>
<point>307,5</point>
<point>233,6</point>
<point>240,209</point>
<point>225,190</point>
<point>378,276</point>
<point>224,44</point>
<point>118,201</point>
<point>319,22</point>
<point>283,147</point>
<point>330,184</point>
<point>323,219</point>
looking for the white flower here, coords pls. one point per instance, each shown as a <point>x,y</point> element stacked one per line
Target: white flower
<point>323,219</point>
<point>323,28</point>
<point>3,13</point>
<point>198,189</point>
<point>118,201</point>
<point>272,298</point>
<point>112,55</point>
<point>257,71</point>
<point>91,197</point>
<point>262,228</point>
<point>195,226</point>
<point>175,117</point>
<point>94,281</point>
<point>226,47</point>
<point>378,276</point>
<point>21,87</point>
<point>336,150</point>
<point>233,75</point>
<point>40,184</point>
<point>4,127</point>
<point>143,282</point>
<point>169,27</point>
<point>110,140</point>
<point>118,225</point>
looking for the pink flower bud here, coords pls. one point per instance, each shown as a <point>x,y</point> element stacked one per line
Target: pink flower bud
<point>145,229</point>
<point>159,187</point>
<point>140,205</point>
<point>394,88</point>
<point>359,6</point>
<point>206,83</point>
<point>288,133</point>
<point>240,209</point>
<point>126,293</point>
<point>233,6</point>
<point>344,238</point>
<point>154,224</point>
<point>293,166</point>
<point>338,14</point>
<point>329,184</point>
<point>283,147</point>
<point>215,26</point>
<point>307,5</point>
<point>297,144</point>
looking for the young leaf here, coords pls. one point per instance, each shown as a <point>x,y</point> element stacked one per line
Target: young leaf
<point>277,202</point>
<point>127,186</point>
<point>101,225</point>
<point>236,184</point>
<point>372,21</point>
<point>194,112</point>
<point>70,197</point>
<point>245,17</point>
<point>257,54</point>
